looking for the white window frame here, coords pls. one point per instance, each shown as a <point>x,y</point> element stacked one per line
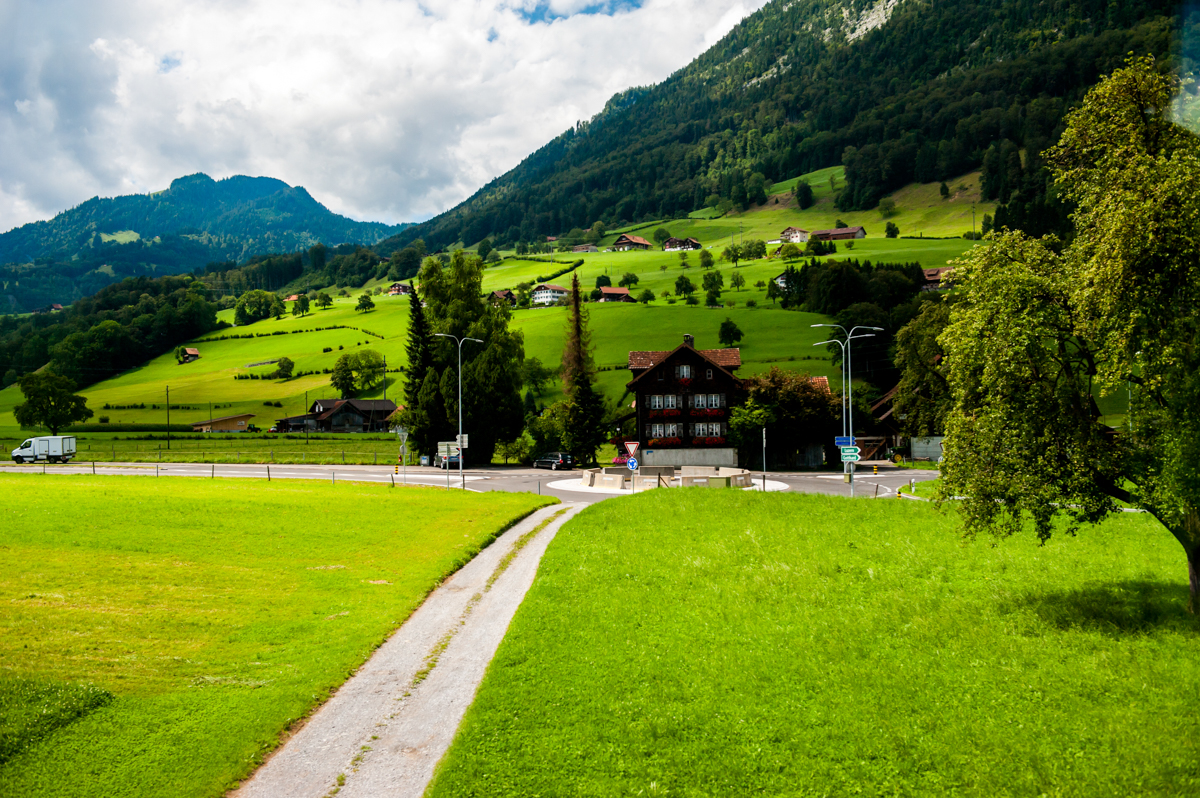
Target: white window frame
<point>656,430</point>
<point>670,401</point>
<point>670,430</point>
<point>656,402</point>
<point>708,374</point>
<point>685,372</point>
<point>714,400</point>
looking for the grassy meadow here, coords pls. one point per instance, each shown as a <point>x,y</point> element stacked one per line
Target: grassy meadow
<point>692,642</point>
<point>159,635</point>
<point>772,335</point>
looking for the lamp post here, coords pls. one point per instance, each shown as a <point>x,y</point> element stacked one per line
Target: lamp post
<point>848,381</point>
<point>460,341</point>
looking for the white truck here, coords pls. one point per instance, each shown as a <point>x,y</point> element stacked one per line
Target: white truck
<point>48,448</point>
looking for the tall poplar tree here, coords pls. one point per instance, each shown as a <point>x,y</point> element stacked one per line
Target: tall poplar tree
<point>583,427</point>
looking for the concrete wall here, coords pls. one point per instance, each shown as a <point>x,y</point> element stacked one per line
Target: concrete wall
<point>927,448</point>
<point>689,457</point>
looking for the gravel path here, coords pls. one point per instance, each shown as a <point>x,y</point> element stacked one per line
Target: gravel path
<point>386,728</point>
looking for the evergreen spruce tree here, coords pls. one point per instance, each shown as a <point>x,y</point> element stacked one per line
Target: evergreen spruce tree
<point>419,359</point>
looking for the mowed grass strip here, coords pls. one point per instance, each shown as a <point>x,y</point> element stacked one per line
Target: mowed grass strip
<point>701,642</point>
<point>215,613</point>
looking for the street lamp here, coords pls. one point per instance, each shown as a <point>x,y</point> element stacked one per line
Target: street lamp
<point>460,341</point>
<point>848,381</point>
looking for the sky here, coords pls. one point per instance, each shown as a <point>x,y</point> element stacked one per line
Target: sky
<point>386,110</point>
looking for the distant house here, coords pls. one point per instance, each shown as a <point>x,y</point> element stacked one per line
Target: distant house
<point>794,235</point>
<point>934,277</point>
<point>677,244</point>
<point>610,293</point>
<point>396,289</point>
<point>294,298</point>
<point>190,354</point>
<point>585,248</point>
<point>551,239</point>
<point>780,280</point>
<point>839,234</point>
<point>627,242</point>
<point>341,415</point>
<point>548,294</point>
<point>236,423</point>
<point>505,295</point>
<point>56,306</point>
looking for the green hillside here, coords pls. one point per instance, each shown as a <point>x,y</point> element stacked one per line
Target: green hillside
<point>896,92</point>
<point>196,221</point>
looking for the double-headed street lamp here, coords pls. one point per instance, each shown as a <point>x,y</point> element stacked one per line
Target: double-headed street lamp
<point>847,382</point>
<point>460,341</point>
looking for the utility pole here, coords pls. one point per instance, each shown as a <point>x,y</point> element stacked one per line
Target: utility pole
<point>305,418</point>
<point>764,459</point>
<point>169,417</point>
<point>385,376</point>
<point>848,382</point>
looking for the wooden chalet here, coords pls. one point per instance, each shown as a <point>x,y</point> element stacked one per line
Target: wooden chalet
<point>679,244</point>
<point>795,235</point>
<point>341,415</point>
<point>839,234</point>
<point>190,354</point>
<point>627,242</point>
<point>396,289</point>
<point>503,297</point>
<point>609,293</point>
<point>238,423</point>
<point>934,278</point>
<point>682,401</point>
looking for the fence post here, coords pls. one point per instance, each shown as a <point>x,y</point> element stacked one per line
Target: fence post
<point>343,456</point>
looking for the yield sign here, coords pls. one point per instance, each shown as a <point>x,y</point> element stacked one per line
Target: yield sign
<point>631,447</point>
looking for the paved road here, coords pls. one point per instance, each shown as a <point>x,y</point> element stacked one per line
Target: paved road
<point>514,479</point>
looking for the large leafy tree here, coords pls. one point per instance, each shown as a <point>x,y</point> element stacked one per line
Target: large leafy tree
<point>796,411</point>
<point>49,402</point>
<point>491,371</point>
<point>1042,331</point>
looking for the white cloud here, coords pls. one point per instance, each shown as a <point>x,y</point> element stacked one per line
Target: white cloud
<point>384,109</point>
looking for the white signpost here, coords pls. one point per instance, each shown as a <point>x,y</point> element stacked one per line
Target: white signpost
<point>462,441</point>
<point>448,449</point>
<point>402,432</point>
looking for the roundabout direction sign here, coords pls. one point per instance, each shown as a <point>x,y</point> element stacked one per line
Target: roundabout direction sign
<point>632,463</point>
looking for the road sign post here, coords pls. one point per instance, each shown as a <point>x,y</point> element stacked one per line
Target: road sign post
<point>632,465</point>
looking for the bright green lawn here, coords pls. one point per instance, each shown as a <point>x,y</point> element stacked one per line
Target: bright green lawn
<point>216,612</point>
<point>693,642</point>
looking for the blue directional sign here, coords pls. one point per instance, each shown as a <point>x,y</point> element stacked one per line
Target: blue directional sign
<point>632,463</point>
<point>844,440</point>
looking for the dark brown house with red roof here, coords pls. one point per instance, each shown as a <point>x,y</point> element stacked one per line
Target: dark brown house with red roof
<point>682,404</point>
<point>626,242</point>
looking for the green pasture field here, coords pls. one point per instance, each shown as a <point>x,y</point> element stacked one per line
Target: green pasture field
<point>692,642</point>
<point>171,629</point>
<point>772,337</point>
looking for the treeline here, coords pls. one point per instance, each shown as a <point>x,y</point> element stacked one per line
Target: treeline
<point>922,97</point>
<point>121,326</point>
<point>883,295</point>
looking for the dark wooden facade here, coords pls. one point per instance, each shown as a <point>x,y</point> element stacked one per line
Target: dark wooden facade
<point>683,396</point>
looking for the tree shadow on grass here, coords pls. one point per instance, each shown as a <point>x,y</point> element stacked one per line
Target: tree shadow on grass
<point>1118,609</point>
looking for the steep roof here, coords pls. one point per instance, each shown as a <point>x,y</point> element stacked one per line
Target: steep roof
<point>725,358</point>
<point>222,418</point>
<point>550,287</point>
<point>612,289</point>
<point>631,239</point>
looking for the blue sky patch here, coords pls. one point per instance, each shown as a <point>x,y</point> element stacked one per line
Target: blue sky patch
<point>543,13</point>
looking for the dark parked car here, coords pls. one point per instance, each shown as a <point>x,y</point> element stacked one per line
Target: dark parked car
<point>553,461</point>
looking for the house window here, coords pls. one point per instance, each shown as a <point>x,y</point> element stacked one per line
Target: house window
<point>670,401</point>
<point>656,430</point>
<point>661,376</point>
<point>700,401</point>
<point>714,400</point>
<point>671,430</point>
<point>708,374</point>
<point>684,372</point>
<point>656,403</point>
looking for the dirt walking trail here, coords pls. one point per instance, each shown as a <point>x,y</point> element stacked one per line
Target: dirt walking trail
<point>385,729</point>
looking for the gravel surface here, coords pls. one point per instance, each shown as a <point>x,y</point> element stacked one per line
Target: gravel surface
<point>386,728</point>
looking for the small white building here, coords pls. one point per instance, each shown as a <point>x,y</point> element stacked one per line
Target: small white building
<point>548,294</point>
<point>794,235</point>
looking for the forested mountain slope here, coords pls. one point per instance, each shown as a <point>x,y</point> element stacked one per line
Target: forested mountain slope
<point>898,90</point>
<point>196,221</point>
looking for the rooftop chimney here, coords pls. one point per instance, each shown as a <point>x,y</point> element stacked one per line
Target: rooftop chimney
<point>689,340</point>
